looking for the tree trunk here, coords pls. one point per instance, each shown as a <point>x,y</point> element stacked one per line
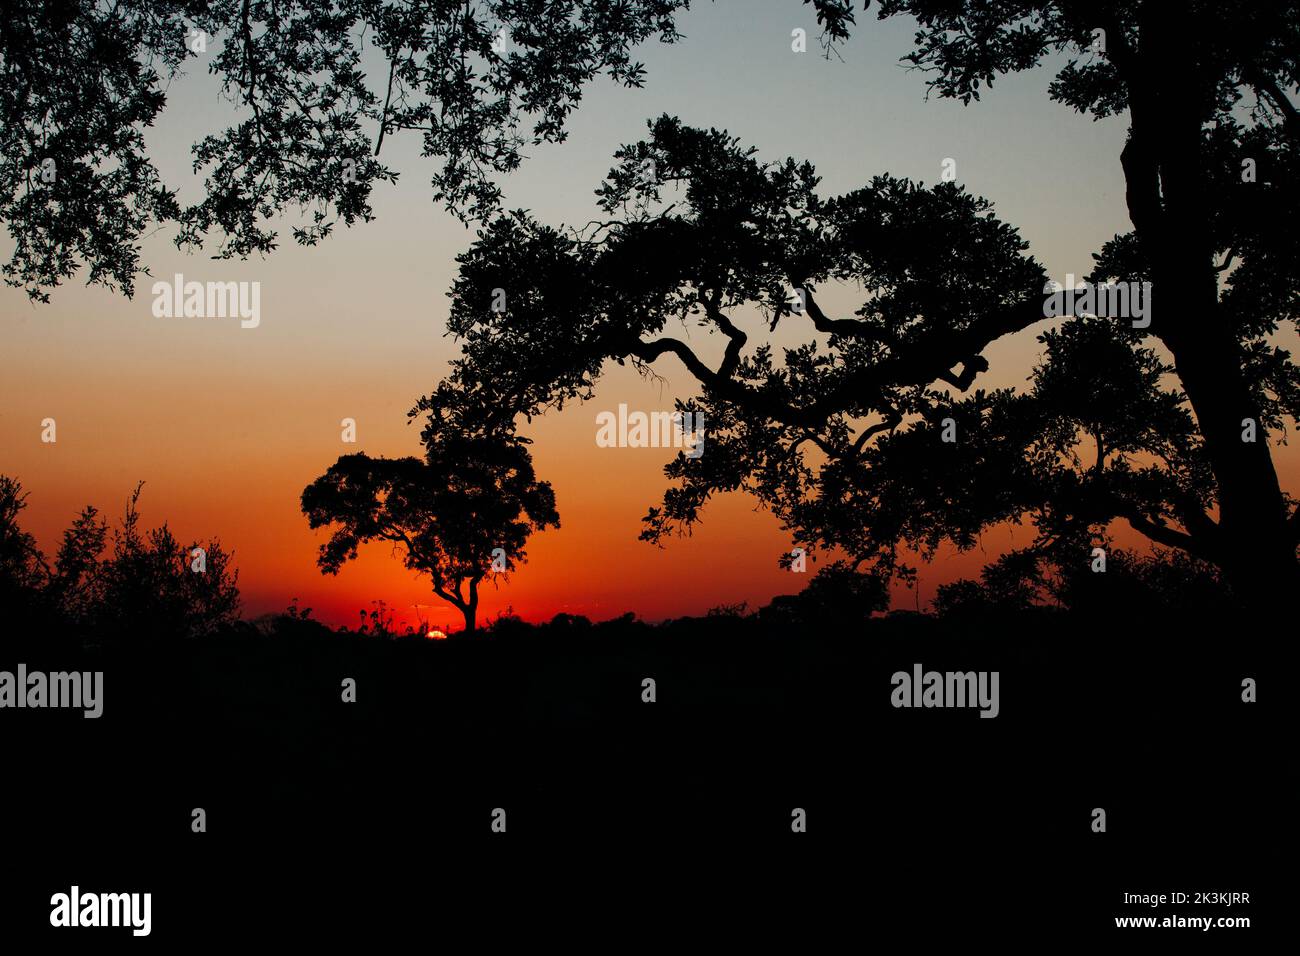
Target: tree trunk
<point>470,609</point>
<point>1255,543</point>
<point>1166,186</point>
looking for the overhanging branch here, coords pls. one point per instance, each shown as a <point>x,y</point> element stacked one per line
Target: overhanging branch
<point>926,359</point>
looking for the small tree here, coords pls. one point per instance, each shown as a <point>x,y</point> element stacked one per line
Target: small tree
<point>149,585</point>
<point>22,566</point>
<point>461,514</point>
<point>145,585</point>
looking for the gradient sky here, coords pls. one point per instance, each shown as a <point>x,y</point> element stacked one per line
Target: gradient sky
<point>227,425</point>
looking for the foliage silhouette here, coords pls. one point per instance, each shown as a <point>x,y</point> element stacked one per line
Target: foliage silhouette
<point>478,80</point>
<point>472,500</point>
<point>124,585</point>
<point>844,439</point>
<point>1207,89</point>
<point>22,566</point>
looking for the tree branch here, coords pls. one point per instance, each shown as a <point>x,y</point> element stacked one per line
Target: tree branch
<point>890,423</point>
<point>731,359</point>
<point>453,599</point>
<point>383,117</point>
<point>1163,534</point>
<point>823,323</point>
<point>1268,87</point>
<point>927,359</point>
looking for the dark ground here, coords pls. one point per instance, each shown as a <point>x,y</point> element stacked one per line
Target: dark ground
<point>671,820</point>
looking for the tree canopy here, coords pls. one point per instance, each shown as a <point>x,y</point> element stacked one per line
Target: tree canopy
<point>317,87</point>
<point>843,437</point>
<point>461,514</point>
<point>1209,167</point>
<point>113,584</point>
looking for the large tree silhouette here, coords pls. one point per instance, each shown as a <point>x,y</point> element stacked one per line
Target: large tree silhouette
<point>318,87</point>
<point>1207,88</point>
<point>460,515</point>
<point>844,438</point>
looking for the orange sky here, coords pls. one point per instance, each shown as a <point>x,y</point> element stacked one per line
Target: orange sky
<point>226,438</point>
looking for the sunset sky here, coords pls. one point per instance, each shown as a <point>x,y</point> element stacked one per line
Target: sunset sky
<point>227,425</point>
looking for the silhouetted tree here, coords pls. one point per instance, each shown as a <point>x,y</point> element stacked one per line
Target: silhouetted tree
<point>144,586</point>
<point>947,277</point>
<point>22,566</point>
<point>1096,436</point>
<point>1168,582</point>
<point>149,586</point>
<point>472,500</point>
<point>76,585</point>
<point>1210,166</point>
<point>840,592</point>
<point>860,439</point>
<point>318,85</point>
